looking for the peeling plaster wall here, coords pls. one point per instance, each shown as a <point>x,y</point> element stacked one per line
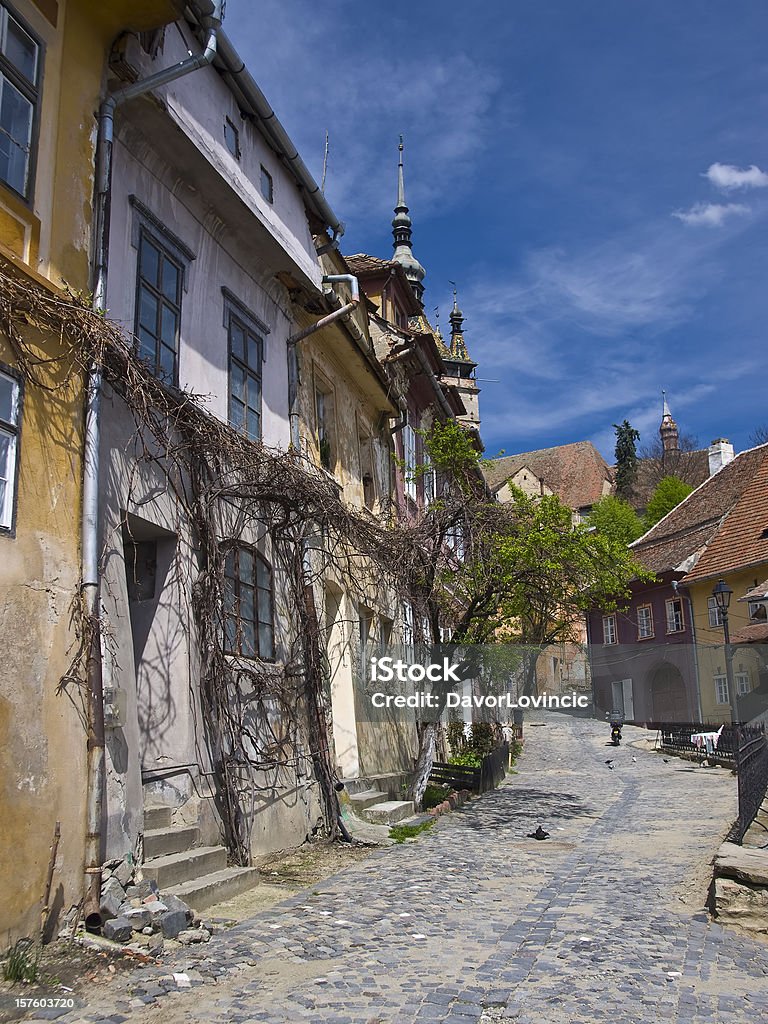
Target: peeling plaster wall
<point>367,742</point>
<point>42,739</point>
<point>170,155</point>
<point>42,731</point>
<point>151,655</point>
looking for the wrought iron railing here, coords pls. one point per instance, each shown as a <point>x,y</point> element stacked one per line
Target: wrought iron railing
<point>676,739</point>
<point>753,782</point>
<point>744,749</point>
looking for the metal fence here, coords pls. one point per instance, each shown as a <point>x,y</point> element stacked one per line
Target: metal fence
<point>677,740</point>
<point>744,749</point>
<point>753,782</point>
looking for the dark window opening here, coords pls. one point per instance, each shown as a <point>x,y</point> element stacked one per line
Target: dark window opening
<point>248,604</point>
<point>246,354</point>
<point>140,569</point>
<point>232,138</point>
<point>267,189</point>
<point>158,308</point>
<point>19,83</point>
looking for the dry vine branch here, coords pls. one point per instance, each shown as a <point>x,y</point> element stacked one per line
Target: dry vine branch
<point>218,476</point>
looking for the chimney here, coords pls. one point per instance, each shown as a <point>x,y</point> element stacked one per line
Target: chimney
<point>720,454</point>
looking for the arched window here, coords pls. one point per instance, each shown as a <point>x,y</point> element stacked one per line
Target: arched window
<point>248,604</point>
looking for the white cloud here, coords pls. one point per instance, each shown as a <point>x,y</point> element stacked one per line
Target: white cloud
<point>592,333</point>
<point>710,214</point>
<point>728,177</point>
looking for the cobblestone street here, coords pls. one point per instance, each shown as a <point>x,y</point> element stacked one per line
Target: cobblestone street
<point>476,922</point>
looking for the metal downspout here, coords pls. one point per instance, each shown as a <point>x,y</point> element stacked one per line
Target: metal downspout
<point>91,464</point>
<point>293,356</point>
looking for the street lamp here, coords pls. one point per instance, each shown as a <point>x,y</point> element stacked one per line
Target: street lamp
<point>722,594</point>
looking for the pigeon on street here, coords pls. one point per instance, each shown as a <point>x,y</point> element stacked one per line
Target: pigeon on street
<point>538,834</point>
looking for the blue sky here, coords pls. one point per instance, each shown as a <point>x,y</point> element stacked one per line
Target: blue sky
<point>593,175</point>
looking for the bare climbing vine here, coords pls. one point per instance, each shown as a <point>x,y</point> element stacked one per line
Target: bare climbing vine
<point>223,485</point>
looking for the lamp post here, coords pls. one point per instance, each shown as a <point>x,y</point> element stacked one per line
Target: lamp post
<point>722,594</point>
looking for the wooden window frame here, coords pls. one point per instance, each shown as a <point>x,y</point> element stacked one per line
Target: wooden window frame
<point>233,551</point>
<point>667,603</point>
<point>32,93</point>
<point>253,375</point>
<point>652,632</point>
<point>163,302</point>
<point>612,619</point>
<point>12,428</point>
<point>721,681</point>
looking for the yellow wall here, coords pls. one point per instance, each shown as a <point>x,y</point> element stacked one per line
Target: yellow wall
<point>709,640</point>
<point>42,737</point>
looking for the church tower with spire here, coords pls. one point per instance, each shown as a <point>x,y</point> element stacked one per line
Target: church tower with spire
<point>670,435</point>
<point>401,230</point>
<point>460,369</point>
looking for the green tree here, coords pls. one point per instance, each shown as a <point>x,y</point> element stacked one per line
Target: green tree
<point>524,573</point>
<point>615,518</point>
<point>668,494</point>
<point>626,457</point>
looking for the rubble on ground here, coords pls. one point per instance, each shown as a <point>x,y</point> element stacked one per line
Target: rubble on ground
<point>137,916</point>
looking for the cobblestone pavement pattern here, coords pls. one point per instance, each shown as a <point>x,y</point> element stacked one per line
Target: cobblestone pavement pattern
<point>474,922</point>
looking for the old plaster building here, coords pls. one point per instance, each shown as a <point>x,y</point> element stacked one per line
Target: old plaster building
<point>161,181</point>
<point>212,262</point>
<point>662,659</point>
<point>52,61</point>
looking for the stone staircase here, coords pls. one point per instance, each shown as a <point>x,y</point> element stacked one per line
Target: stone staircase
<point>374,806</point>
<point>198,875</point>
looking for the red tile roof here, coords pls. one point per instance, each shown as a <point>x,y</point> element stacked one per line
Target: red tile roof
<point>361,263</point>
<point>742,540</point>
<point>715,529</point>
<point>574,472</point>
<point>757,633</point>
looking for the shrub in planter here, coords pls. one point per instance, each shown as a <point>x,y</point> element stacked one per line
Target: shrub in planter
<point>466,759</point>
<point>433,795</point>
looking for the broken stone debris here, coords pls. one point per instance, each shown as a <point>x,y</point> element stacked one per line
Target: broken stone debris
<point>135,911</point>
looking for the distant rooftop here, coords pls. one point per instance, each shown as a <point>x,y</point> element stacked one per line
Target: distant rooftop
<point>575,472</point>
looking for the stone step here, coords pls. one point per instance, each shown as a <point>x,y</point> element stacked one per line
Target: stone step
<point>360,801</point>
<point>159,841</point>
<point>175,868</point>
<point>202,893</point>
<point>389,812</point>
<point>157,817</point>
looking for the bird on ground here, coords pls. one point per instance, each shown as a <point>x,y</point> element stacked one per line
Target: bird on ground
<point>610,767</point>
<point>634,759</point>
<point>609,761</point>
<point>538,834</point>
<point>665,760</point>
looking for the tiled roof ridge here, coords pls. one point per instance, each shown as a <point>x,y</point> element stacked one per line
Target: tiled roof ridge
<point>727,469</point>
<point>736,546</point>
<point>678,534</point>
<point>540,451</point>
